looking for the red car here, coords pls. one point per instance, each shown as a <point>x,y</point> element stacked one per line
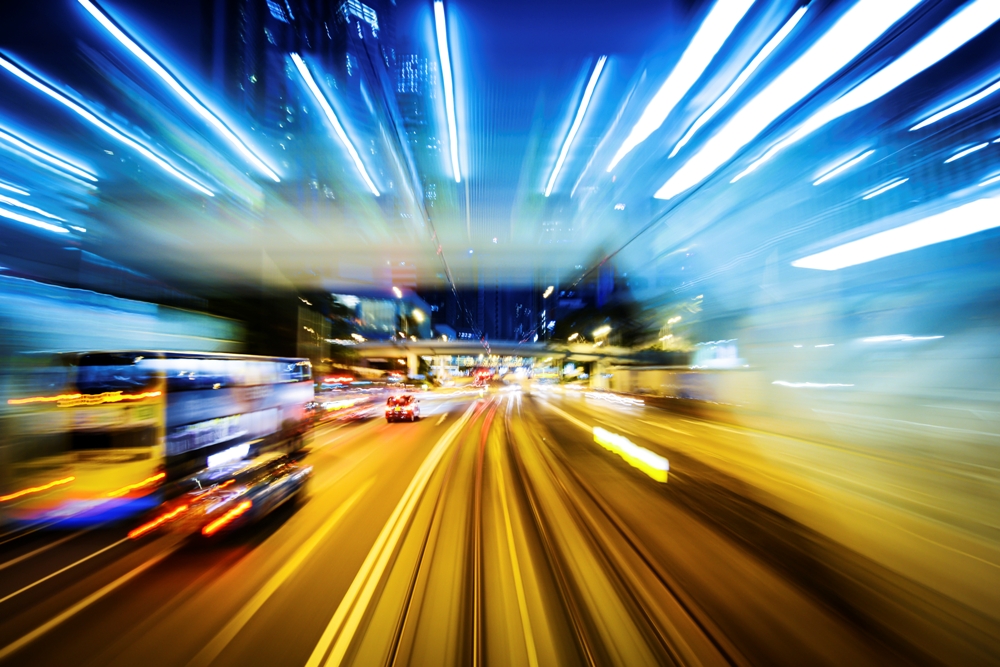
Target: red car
<point>398,408</point>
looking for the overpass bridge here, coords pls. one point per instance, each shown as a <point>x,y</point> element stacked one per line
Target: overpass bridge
<point>412,350</point>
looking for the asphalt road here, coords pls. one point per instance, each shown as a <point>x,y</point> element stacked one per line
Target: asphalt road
<point>493,531</point>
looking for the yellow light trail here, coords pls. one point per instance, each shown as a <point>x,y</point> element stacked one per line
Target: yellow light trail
<point>71,400</point>
<point>138,485</point>
<point>36,489</point>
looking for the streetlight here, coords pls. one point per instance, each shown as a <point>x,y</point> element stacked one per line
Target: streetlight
<point>601,331</point>
<point>418,315</point>
<point>397,292</point>
<point>572,337</point>
<point>548,292</point>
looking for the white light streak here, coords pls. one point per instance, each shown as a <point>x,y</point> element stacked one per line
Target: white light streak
<point>963,220</point>
<point>397,292</point>
<point>103,125</point>
<point>898,338</point>
<point>307,77</point>
<point>885,188</point>
<point>958,29</point>
<point>11,215</point>
<point>229,455</point>
<point>28,207</point>
<point>959,155</point>
<point>836,171</point>
<point>31,149</point>
<point>825,345</point>
<point>761,56</point>
<point>991,180</point>
<point>711,35</point>
<point>853,32</point>
<point>16,190</point>
<point>588,93</point>
<point>810,385</point>
<point>194,103</point>
<point>444,55</point>
<point>955,108</point>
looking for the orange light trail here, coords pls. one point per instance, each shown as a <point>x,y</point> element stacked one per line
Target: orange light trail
<point>138,485</point>
<point>71,400</point>
<point>157,522</point>
<point>228,517</point>
<point>214,489</point>
<point>36,489</point>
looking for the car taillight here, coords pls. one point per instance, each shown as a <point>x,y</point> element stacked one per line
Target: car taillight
<point>157,522</point>
<point>226,518</point>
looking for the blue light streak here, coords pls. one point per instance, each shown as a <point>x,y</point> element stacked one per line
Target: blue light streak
<point>836,171</point>
<point>441,30</point>
<point>963,220</point>
<point>955,108</point>
<point>851,35</point>
<point>761,56</point>
<point>47,156</point>
<point>11,215</point>
<point>183,93</point>
<point>102,125</point>
<point>885,188</point>
<point>324,105</point>
<point>12,188</point>
<point>581,111</point>
<point>957,30</point>
<point>712,34</point>
<point>10,201</point>
<point>968,151</point>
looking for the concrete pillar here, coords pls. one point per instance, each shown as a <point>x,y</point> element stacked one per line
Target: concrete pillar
<point>597,371</point>
<point>412,364</point>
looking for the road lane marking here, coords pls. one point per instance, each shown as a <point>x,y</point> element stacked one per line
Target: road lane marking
<point>83,604</point>
<point>68,567</point>
<point>15,535</point>
<point>570,417</point>
<point>522,603</point>
<point>716,427</point>
<point>342,627</point>
<point>615,426</point>
<point>669,428</point>
<point>441,419</point>
<point>218,643</point>
<point>15,561</point>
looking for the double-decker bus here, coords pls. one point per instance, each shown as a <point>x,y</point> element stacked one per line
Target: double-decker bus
<point>95,436</point>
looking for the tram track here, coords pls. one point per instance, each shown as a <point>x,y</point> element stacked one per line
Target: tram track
<point>630,569</point>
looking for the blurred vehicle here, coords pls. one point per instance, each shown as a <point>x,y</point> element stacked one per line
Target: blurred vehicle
<point>402,407</point>
<point>227,496</point>
<point>95,435</point>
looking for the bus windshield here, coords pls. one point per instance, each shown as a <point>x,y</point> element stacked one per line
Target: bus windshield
<point>99,373</point>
